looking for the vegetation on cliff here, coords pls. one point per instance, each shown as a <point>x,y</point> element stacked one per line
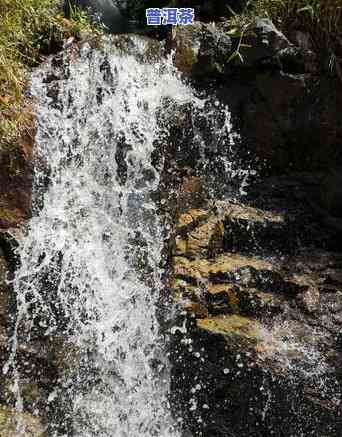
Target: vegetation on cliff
<point>29,30</point>
<point>320,21</point>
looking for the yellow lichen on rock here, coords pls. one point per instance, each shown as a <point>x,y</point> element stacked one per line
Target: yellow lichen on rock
<point>203,241</point>
<point>237,330</point>
<point>202,269</point>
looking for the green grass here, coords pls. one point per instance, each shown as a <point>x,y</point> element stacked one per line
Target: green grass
<point>29,31</point>
<point>321,19</point>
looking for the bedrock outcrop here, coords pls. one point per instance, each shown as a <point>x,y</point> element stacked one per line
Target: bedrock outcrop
<point>257,350</point>
<point>282,102</point>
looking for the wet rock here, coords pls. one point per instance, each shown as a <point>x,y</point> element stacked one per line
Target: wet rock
<point>256,303</point>
<point>9,418</point>
<point>264,329</point>
<point>16,180</point>
<point>3,272</point>
<point>9,241</point>
<point>229,226</point>
<point>4,308</point>
<point>278,96</point>
<point>5,298</point>
<point>198,234</point>
<point>251,230</point>
<point>294,60</point>
<point>222,299</point>
<point>191,192</point>
<point>200,50</point>
<point>237,331</point>
<point>310,299</point>
<point>199,270</point>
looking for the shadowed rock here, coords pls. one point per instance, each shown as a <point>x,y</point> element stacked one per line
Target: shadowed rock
<point>105,12</point>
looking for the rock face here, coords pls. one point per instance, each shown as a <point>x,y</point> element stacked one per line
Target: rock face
<point>16,175</point>
<point>16,182</point>
<point>257,350</point>
<point>263,308</point>
<point>282,104</point>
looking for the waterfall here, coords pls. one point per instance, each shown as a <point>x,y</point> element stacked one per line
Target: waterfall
<point>90,261</point>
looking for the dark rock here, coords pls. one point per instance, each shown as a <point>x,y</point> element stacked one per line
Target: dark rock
<point>294,60</point>
<point>105,12</point>
<point>330,196</point>
<point>280,118</point>
<point>283,107</point>
<point>15,183</point>
<point>213,10</point>
<point>265,346</point>
<point>261,41</point>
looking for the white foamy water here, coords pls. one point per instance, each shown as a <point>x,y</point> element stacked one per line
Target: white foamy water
<point>78,278</point>
<point>90,272</point>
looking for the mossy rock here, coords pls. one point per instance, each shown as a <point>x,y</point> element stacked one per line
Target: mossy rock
<point>9,418</point>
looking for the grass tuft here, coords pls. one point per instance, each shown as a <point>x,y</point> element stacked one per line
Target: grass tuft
<point>29,31</point>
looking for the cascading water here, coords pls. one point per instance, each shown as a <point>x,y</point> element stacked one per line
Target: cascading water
<point>78,279</point>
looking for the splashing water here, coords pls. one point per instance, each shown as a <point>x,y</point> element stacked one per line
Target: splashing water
<point>90,261</point>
